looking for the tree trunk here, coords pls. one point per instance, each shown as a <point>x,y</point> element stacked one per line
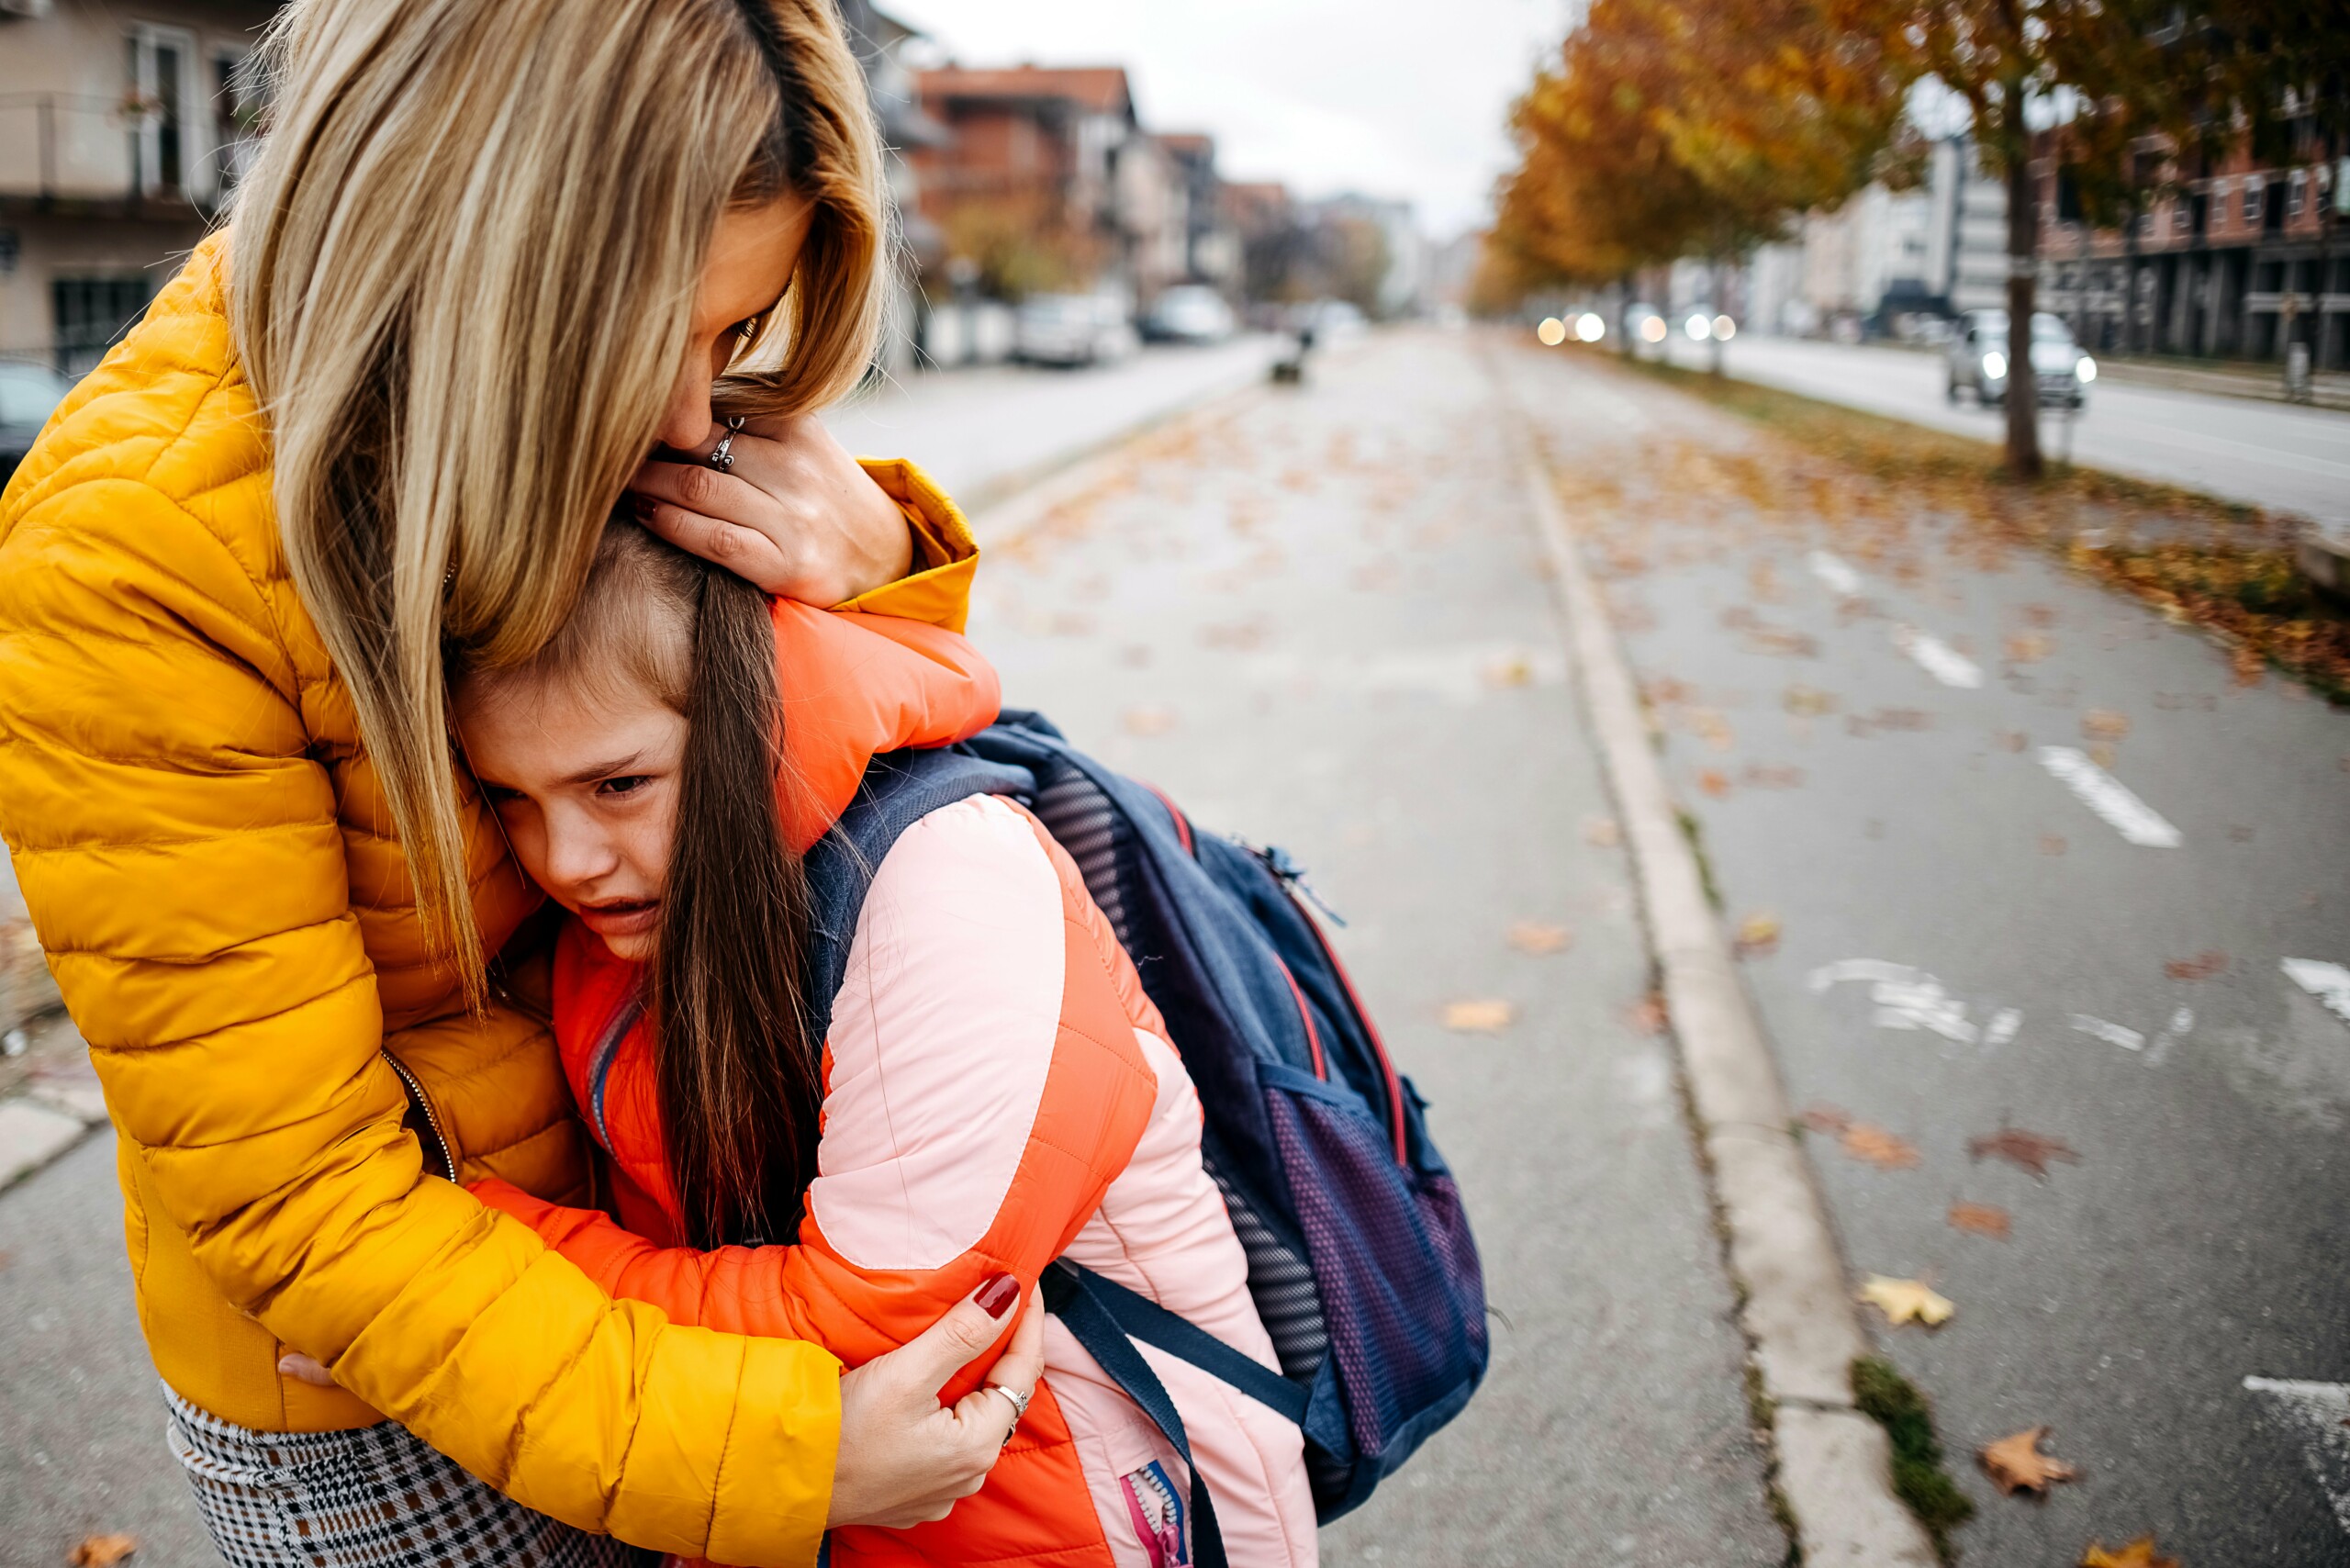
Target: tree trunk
<point>1715,339</point>
<point>1624,316</point>
<point>2023,245</point>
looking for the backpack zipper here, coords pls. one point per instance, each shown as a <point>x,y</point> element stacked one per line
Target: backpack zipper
<point>431,1122</point>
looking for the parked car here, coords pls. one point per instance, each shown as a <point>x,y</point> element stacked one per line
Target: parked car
<point>1977,359</point>
<point>1071,329</point>
<point>1188,313</point>
<point>28,395</point>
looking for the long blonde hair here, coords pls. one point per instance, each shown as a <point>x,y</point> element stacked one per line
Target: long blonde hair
<point>461,280</point>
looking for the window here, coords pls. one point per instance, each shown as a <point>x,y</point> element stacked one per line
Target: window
<point>2253,193</point>
<point>237,108</point>
<point>159,91</point>
<point>90,313</point>
<point>2297,193</point>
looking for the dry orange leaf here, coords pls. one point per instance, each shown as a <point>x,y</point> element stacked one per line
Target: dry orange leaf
<point>2201,967</point>
<point>1757,935</point>
<point>1714,782</point>
<point>1481,1017</point>
<point>1983,1219</point>
<point>1602,831</point>
<point>1149,721</point>
<point>2139,1554</point>
<point>2029,647</point>
<point>1879,1148</point>
<point>2104,724</point>
<point>102,1550</point>
<point>2051,843</point>
<point>1534,936</point>
<point>1903,1301</point>
<point>1822,1117</point>
<point>2031,1151</point>
<point>1647,1016</point>
<point>1810,700</point>
<point>2017,1464</point>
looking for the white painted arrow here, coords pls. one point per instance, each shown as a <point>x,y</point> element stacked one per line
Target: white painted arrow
<point>2318,1414</point>
<point>2329,983</point>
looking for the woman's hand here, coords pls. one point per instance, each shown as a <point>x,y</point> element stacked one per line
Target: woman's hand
<point>796,516</point>
<point>905,1458</point>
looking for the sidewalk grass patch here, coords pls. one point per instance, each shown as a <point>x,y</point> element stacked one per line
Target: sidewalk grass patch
<point>1920,1478</point>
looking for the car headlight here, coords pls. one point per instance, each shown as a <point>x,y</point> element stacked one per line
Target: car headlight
<point>2085,370</point>
<point>1994,366</point>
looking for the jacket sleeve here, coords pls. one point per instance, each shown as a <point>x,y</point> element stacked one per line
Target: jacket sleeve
<point>985,1089</point>
<point>177,841</point>
<point>939,589</point>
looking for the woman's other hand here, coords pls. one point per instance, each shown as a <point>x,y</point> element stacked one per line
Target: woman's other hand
<point>904,1458</point>
<point>797,515</point>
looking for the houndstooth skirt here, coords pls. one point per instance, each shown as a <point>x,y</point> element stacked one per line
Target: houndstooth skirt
<point>370,1497</point>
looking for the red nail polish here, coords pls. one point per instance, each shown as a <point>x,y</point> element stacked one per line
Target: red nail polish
<point>996,1295</point>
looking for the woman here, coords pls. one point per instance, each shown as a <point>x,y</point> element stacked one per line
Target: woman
<point>494,254</point>
<point>992,1089</point>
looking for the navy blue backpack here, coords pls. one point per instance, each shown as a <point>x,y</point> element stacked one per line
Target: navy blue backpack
<point>1360,1257</point>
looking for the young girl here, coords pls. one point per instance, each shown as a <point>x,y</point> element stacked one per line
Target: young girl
<point>995,1090</point>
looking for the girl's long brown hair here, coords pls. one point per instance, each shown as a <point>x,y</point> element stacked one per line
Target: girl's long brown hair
<point>735,1066</point>
<point>739,1080</point>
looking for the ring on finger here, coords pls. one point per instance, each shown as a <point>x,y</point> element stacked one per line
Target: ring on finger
<point>722,457</point>
<point>1019,1405</point>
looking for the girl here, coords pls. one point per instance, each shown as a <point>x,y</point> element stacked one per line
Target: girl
<point>493,256</point>
<point>995,1090</point>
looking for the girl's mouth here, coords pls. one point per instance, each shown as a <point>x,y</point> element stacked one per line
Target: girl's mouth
<point>621,917</point>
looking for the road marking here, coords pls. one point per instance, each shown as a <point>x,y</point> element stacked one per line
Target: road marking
<point>2318,1414</point>
<point>1839,577</point>
<point>1937,658</point>
<point>2181,1022</point>
<point>2329,983</point>
<point>2107,796</point>
<point>1913,1000</point>
<point>2111,1033</point>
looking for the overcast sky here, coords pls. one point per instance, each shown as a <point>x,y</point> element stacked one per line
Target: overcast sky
<point>1389,98</point>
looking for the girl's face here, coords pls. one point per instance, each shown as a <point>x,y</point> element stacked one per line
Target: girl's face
<point>586,787</point>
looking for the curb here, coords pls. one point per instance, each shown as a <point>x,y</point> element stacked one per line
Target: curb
<point>1834,1463</point>
<point>43,1124</point>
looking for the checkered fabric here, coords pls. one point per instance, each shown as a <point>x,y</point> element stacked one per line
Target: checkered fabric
<point>371,1497</point>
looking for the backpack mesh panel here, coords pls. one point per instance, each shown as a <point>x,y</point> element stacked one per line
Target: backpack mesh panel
<point>1081,819</point>
<point>1281,1283</point>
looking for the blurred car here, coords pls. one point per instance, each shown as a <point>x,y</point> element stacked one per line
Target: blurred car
<point>1977,359</point>
<point>28,395</point>
<point>1188,313</point>
<point>1071,329</point>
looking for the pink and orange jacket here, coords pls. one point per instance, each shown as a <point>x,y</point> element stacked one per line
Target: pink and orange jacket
<point>999,1091</point>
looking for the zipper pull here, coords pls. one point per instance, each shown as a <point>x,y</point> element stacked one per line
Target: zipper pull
<point>1283,866</point>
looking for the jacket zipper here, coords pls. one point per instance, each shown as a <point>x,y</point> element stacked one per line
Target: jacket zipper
<point>431,1122</point>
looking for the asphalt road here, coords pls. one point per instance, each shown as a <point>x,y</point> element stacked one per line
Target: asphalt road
<point>1979,934</point>
<point>2295,460</point>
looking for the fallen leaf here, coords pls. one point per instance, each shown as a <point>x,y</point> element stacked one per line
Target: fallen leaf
<point>1149,721</point>
<point>2029,648</point>
<point>2013,740</point>
<point>1479,1017</point>
<point>1602,831</point>
<point>1757,935</point>
<point>1821,1117</point>
<point>2104,724</point>
<point>1903,718</point>
<point>102,1550</point>
<point>1904,1300</point>
<point>1648,1016</point>
<point>1768,776</point>
<point>2139,1554</point>
<point>1714,782</point>
<point>1810,700</point>
<point>2103,754</point>
<point>1879,1148</point>
<point>1983,1219</point>
<point>2017,1464</point>
<point>2051,843</point>
<point>2031,1151</point>
<point>2039,615</point>
<point>1534,936</point>
<point>1515,669</point>
<point>2201,967</point>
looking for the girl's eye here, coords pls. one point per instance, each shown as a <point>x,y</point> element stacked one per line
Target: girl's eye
<point>500,795</point>
<point>627,783</point>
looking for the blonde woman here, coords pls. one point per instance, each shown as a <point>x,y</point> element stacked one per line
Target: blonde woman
<point>494,255</point>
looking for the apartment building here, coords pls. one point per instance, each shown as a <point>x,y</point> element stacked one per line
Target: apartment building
<point>122,131</point>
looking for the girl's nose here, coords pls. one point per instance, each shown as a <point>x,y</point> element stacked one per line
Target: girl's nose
<point>578,852</point>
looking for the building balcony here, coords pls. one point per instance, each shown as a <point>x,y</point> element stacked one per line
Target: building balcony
<point>98,158</point>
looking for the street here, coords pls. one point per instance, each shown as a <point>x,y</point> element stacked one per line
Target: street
<point>2022,874</point>
<point>2038,863</point>
<point>2268,454</point>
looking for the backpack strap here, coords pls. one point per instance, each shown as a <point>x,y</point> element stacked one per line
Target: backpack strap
<point>899,790</point>
<point>1140,1318</point>
<point>1071,1294</point>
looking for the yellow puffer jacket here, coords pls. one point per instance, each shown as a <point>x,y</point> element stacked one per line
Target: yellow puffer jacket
<point>207,859</point>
